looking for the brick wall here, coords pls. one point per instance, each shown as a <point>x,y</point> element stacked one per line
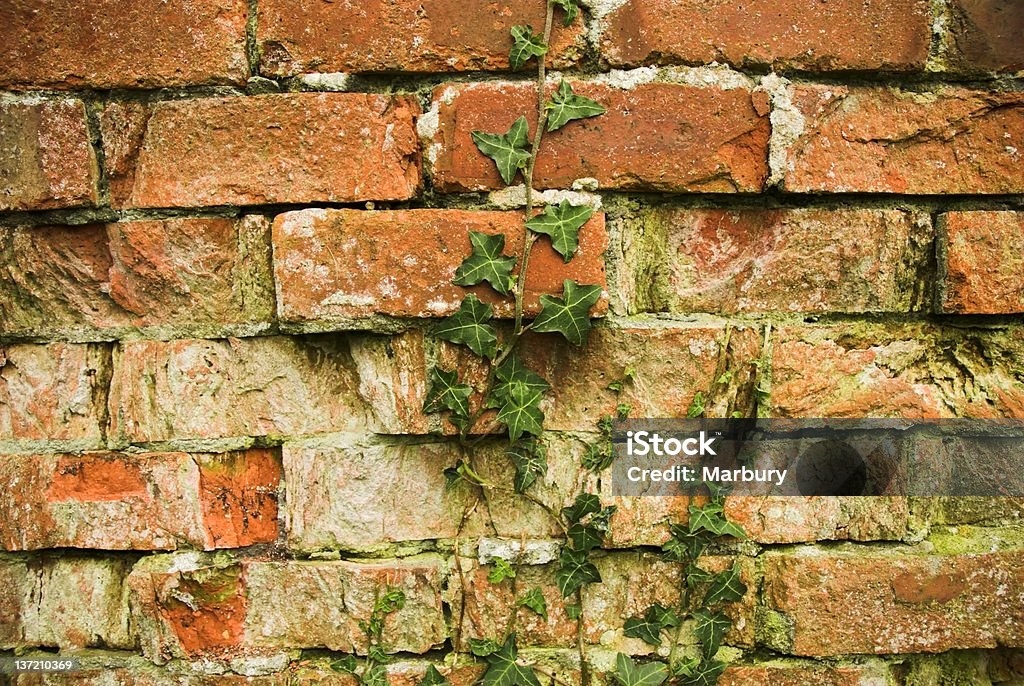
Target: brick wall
<point>227,226</point>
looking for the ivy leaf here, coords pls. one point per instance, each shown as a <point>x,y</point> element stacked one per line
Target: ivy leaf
<point>571,10</point>
<point>530,460</point>
<point>650,626</point>
<point>700,673</point>
<point>585,504</point>
<point>711,518</point>
<point>374,676</point>
<point>520,412</point>
<point>469,326</point>
<point>505,671</point>
<point>482,647</point>
<point>562,223</point>
<point>599,456</point>
<point>696,575</point>
<point>487,263</point>
<point>573,611</point>
<point>684,545</point>
<point>510,151</point>
<point>513,372</point>
<point>709,628</point>
<point>575,570</point>
<point>346,664</point>
<point>585,537</point>
<point>534,600</point>
<point>565,106</point>
<point>525,44</point>
<point>628,673</point>
<point>726,587</point>
<point>446,393</point>
<point>570,314</point>
<point>432,677</point>
<point>502,570</point>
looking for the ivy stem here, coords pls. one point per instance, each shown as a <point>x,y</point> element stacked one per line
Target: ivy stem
<point>542,118</point>
<point>683,611</point>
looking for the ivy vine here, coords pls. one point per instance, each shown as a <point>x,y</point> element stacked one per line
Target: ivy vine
<point>515,392</point>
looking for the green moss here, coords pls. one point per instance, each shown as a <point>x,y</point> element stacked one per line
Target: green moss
<point>774,629</point>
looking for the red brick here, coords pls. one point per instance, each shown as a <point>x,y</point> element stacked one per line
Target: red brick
<point>811,260</point>
<point>882,140</point>
<point>986,35</point>
<point>845,603</point>
<point>333,266</point>
<point>112,44</point>
<point>153,501</point>
<point>873,370</point>
<point>656,136</point>
<point>199,275</point>
<point>68,602</point>
<point>46,159</point>
<point>981,262</point>
<point>789,519</point>
<point>787,674</point>
<point>235,387</point>
<point>892,35</point>
<point>405,36</point>
<point>53,392</point>
<point>282,148</point>
<point>187,605</point>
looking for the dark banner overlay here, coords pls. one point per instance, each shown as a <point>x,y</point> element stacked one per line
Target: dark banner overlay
<point>826,457</point>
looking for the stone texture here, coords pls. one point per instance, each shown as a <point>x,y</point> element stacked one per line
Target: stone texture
<point>53,392</point>
<point>912,370</point>
<point>889,35</point>
<point>788,674</point>
<point>789,519</point>
<point>280,148</point>
<point>333,266</point>
<point>834,602</point>
<point>235,387</point>
<point>168,276</point>
<point>46,159</point>
<point>154,501</point>
<point>805,260</point>
<point>986,35</point>
<point>981,262</point>
<point>70,602</point>
<point>404,36</point>
<point>111,44</point>
<point>654,137</point>
<point>884,140</point>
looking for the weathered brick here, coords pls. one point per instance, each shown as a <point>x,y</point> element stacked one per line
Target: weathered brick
<point>189,605</point>
<point>873,370</point>
<point>981,262</point>
<point>46,159</point>
<point>151,501</point>
<point>67,602</point>
<point>404,36</point>
<point>655,136</point>
<point>281,148</point>
<point>788,519</point>
<point>885,140</point>
<point>832,602</point>
<point>53,392</point>
<point>891,35</point>
<point>204,276</point>
<point>986,35</point>
<point>785,673</point>
<point>806,260</point>
<point>235,387</point>
<point>333,266</point>
<point>111,44</point>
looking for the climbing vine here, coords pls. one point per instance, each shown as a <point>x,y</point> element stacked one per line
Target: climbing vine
<point>515,393</point>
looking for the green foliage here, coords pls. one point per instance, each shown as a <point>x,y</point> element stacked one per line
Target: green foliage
<point>709,628</point>
<point>697,406</point>
<point>570,7</point>
<point>699,672</point>
<point>525,45</point>
<point>521,412</point>
<point>534,599</point>
<point>375,675</point>
<point>726,587</point>
<point>470,327</point>
<point>574,570</point>
<point>572,611</point>
<point>628,673</point>
<point>562,222</point>
<point>503,670</point>
<point>711,518</point>
<point>570,314</point>
<point>502,570</point>
<point>345,664</point>
<point>446,393</point>
<point>482,647</point>
<point>487,263</point>
<point>650,626</point>
<point>432,677</point>
<point>566,106</point>
<point>510,151</point>
<point>530,460</point>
